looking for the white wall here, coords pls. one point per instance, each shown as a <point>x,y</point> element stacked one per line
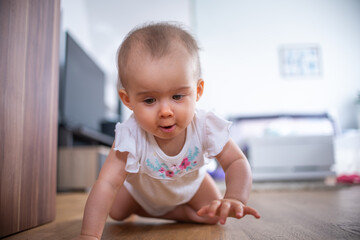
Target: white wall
<point>75,19</point>
<point>240,41</point>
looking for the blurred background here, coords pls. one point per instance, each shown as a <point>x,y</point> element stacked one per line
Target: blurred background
<point>288,70</point>
<point>241,43</point>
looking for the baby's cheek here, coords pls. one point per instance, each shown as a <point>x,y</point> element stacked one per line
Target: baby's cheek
<point>145,121</point>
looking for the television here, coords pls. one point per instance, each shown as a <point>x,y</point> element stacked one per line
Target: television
<point>81,91</point>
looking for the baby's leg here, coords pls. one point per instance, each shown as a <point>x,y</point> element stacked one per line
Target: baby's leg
<point>207,192</point>
<point>124,205</point>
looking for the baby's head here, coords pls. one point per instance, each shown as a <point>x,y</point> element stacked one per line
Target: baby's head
<point>159,74</point>
<point>156,41</point>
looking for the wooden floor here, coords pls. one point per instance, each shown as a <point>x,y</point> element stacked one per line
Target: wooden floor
<point>312,214</point>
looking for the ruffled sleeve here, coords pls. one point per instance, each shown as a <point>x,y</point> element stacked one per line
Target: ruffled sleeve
<point>125,141</point>
<point>217,134</point>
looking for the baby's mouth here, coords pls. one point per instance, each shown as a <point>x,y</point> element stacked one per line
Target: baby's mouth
<point>168,128</point>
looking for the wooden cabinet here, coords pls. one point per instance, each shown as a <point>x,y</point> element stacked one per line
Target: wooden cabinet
<point>29,45</point>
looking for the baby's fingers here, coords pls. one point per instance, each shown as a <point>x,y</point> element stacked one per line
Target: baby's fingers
<point>213,208</point>
<point>251,211</point>
<point>239,212</point>
<point>224,212</point>
<point>203,211</point>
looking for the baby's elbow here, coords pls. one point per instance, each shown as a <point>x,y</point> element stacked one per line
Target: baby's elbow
<point>107,185</point>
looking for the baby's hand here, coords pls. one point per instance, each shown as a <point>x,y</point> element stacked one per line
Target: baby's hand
<point>224,208</point>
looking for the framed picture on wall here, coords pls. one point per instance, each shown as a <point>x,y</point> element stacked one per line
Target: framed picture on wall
<point>300,60</point>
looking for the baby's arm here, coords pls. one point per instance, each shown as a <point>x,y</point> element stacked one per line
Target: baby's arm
<point>102,195</point>
<point>238,186</point>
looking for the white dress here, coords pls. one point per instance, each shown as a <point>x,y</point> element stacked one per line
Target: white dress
<point>159,182</point>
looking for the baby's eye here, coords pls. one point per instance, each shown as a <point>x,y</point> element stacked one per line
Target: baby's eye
<point>149,101</point>
<point>178,97</point>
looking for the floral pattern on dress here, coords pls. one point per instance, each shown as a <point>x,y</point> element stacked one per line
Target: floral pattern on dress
<point>165,171</point>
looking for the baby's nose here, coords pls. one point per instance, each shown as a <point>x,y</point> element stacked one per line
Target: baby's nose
<point>165,110</point>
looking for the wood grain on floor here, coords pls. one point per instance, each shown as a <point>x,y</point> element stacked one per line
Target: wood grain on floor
<point>313,214</point>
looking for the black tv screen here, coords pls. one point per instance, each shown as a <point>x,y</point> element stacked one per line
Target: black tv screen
<point>81,96</point>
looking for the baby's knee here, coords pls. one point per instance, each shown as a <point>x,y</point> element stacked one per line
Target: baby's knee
<point>118,215</point>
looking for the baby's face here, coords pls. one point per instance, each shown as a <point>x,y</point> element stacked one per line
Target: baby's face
<point>162,94</point>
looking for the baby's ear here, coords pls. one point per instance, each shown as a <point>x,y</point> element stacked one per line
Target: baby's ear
<point>125,98</point>
<point>199,89</point>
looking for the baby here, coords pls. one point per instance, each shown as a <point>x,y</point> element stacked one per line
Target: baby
<point>156,167</point>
